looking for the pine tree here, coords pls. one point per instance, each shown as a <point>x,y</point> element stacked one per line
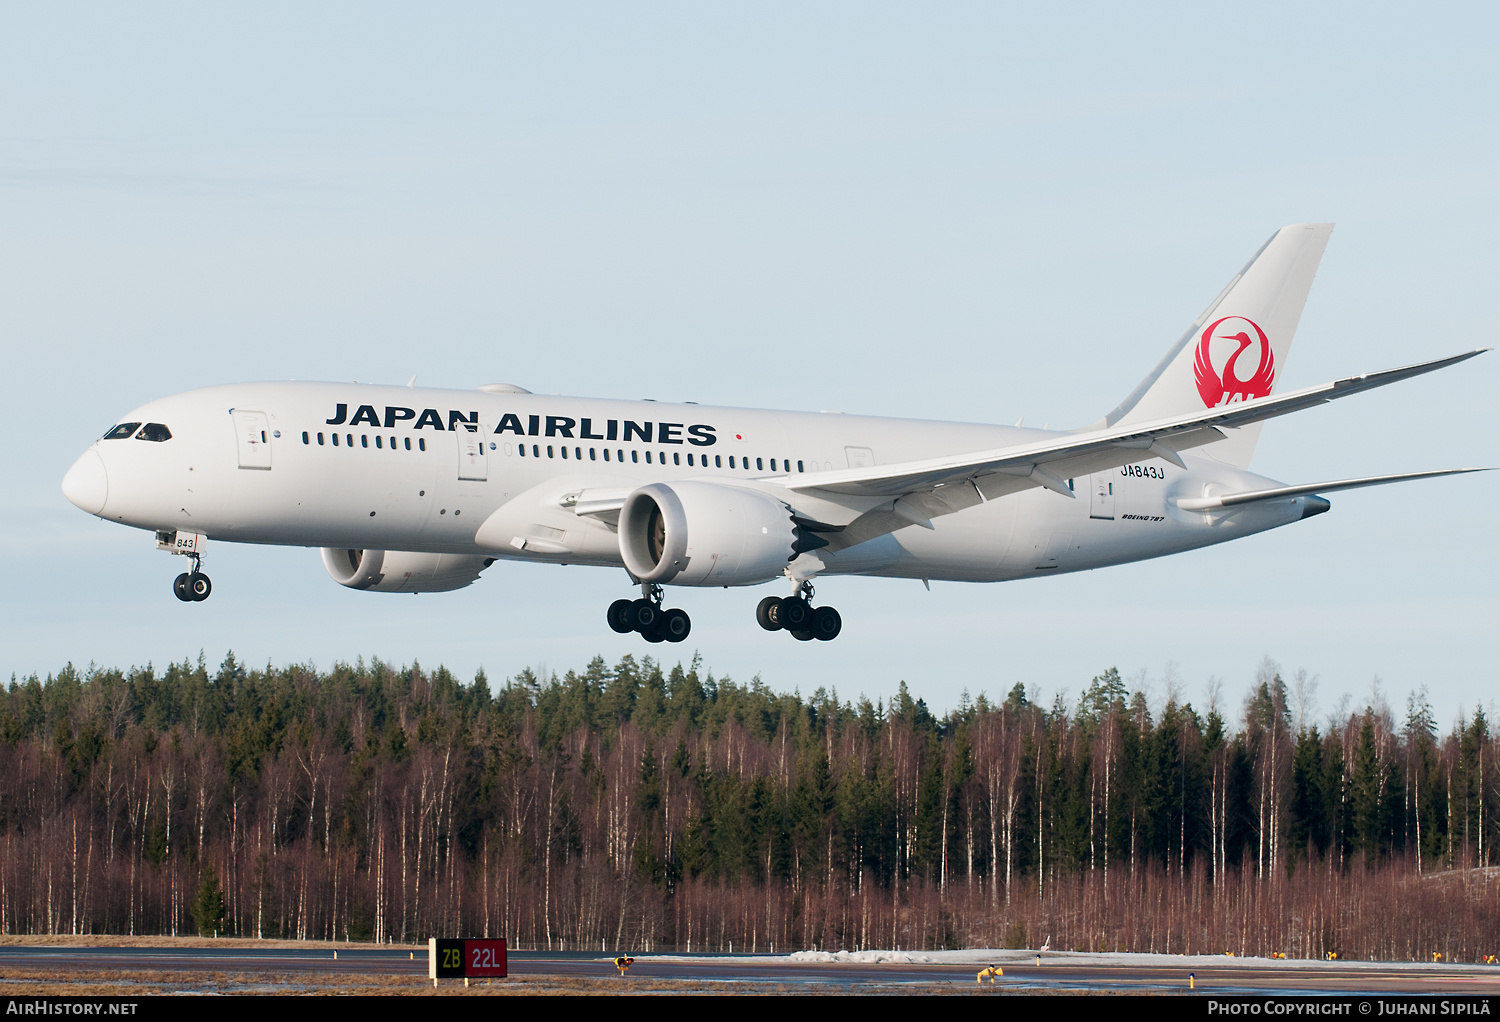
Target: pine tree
<point>208,909</point>
<point>1365,791</point>
<point>1309,820</point>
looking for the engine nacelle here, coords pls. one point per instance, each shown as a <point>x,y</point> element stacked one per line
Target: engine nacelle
<point>402,571</point>
<point>705,534</point>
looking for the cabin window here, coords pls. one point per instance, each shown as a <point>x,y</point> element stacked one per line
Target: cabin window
<point>421,443</point>
<point>305,438</point>
<point>606,454</point>
<point>718,461</point>
<point>335,439</point>
<point>549,451</point>
<point>123,431</point>
<point>364,440</point>
<point>731,461</point>
<point>594,455</point>
<point>760,466</point>
<point>648,457</point>
<point>378,444</point>
<point>564,452</point>
<point>676,458</point>
<point>799,466</point>
<point>320,439</point>
<point>408,443</point>
<point>349,439</point>
<point>154,432</point>
<point>635,457</point>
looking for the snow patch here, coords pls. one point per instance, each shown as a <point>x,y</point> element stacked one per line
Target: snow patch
<point>867,957</point>
<point>1006,957</point>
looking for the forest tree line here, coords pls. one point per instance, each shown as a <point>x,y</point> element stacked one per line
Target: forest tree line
<point>645,807</point>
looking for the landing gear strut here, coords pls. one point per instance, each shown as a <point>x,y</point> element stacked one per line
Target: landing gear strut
<point>647,616</point>
<point>797,615</point>
<point>192,586</point>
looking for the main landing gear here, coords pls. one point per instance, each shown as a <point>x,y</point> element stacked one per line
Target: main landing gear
<point>192,586</point>
<point>797,615</point>
<point>647,617</point>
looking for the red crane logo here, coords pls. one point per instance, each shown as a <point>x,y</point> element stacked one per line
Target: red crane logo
<point>1221,387</point>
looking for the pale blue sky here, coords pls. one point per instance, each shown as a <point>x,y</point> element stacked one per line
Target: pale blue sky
<point>960,211</point>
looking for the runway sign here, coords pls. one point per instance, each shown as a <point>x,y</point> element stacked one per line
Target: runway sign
<point>449,958</point>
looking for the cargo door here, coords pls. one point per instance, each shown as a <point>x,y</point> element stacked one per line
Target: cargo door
<point>1056,556</point>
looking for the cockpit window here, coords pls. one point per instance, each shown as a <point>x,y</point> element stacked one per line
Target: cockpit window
<point>155,432</point>
<point>122,431</point>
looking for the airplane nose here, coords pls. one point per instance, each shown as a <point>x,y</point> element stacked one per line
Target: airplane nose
<point>86,483</point>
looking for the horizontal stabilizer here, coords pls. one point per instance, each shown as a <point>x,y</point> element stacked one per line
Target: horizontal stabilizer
<point>1287,492</point>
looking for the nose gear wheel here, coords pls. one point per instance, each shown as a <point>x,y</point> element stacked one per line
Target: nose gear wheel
<point>192,586</point>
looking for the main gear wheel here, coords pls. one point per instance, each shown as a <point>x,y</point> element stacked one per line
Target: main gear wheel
<point>647,616</point>
<point>797,615</point>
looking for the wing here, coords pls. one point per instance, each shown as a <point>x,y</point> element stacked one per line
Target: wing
<point>923,490</point>
<point>1287,492</point>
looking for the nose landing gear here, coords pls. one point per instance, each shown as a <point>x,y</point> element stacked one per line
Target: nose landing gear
<point>192,586</point>
<point>797,615</point>
<point>647,616</point>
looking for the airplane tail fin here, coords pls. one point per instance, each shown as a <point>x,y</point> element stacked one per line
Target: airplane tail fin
<point>1237,349</point>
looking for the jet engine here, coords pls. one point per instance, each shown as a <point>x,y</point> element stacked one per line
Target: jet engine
<point>402,571</point>
<point>706,534</point>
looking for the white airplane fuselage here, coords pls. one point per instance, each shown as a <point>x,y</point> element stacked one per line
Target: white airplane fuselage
<point>420,490</point>
<point>393,481</point>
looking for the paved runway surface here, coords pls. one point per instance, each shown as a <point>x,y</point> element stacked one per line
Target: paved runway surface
<point>1055,974</point>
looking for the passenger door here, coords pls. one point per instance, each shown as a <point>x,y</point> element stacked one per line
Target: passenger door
<point>1102,494</point>
<point>473,459</point>
<point>252,432</point>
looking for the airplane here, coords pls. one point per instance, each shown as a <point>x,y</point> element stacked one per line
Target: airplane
<point>413,490</point>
